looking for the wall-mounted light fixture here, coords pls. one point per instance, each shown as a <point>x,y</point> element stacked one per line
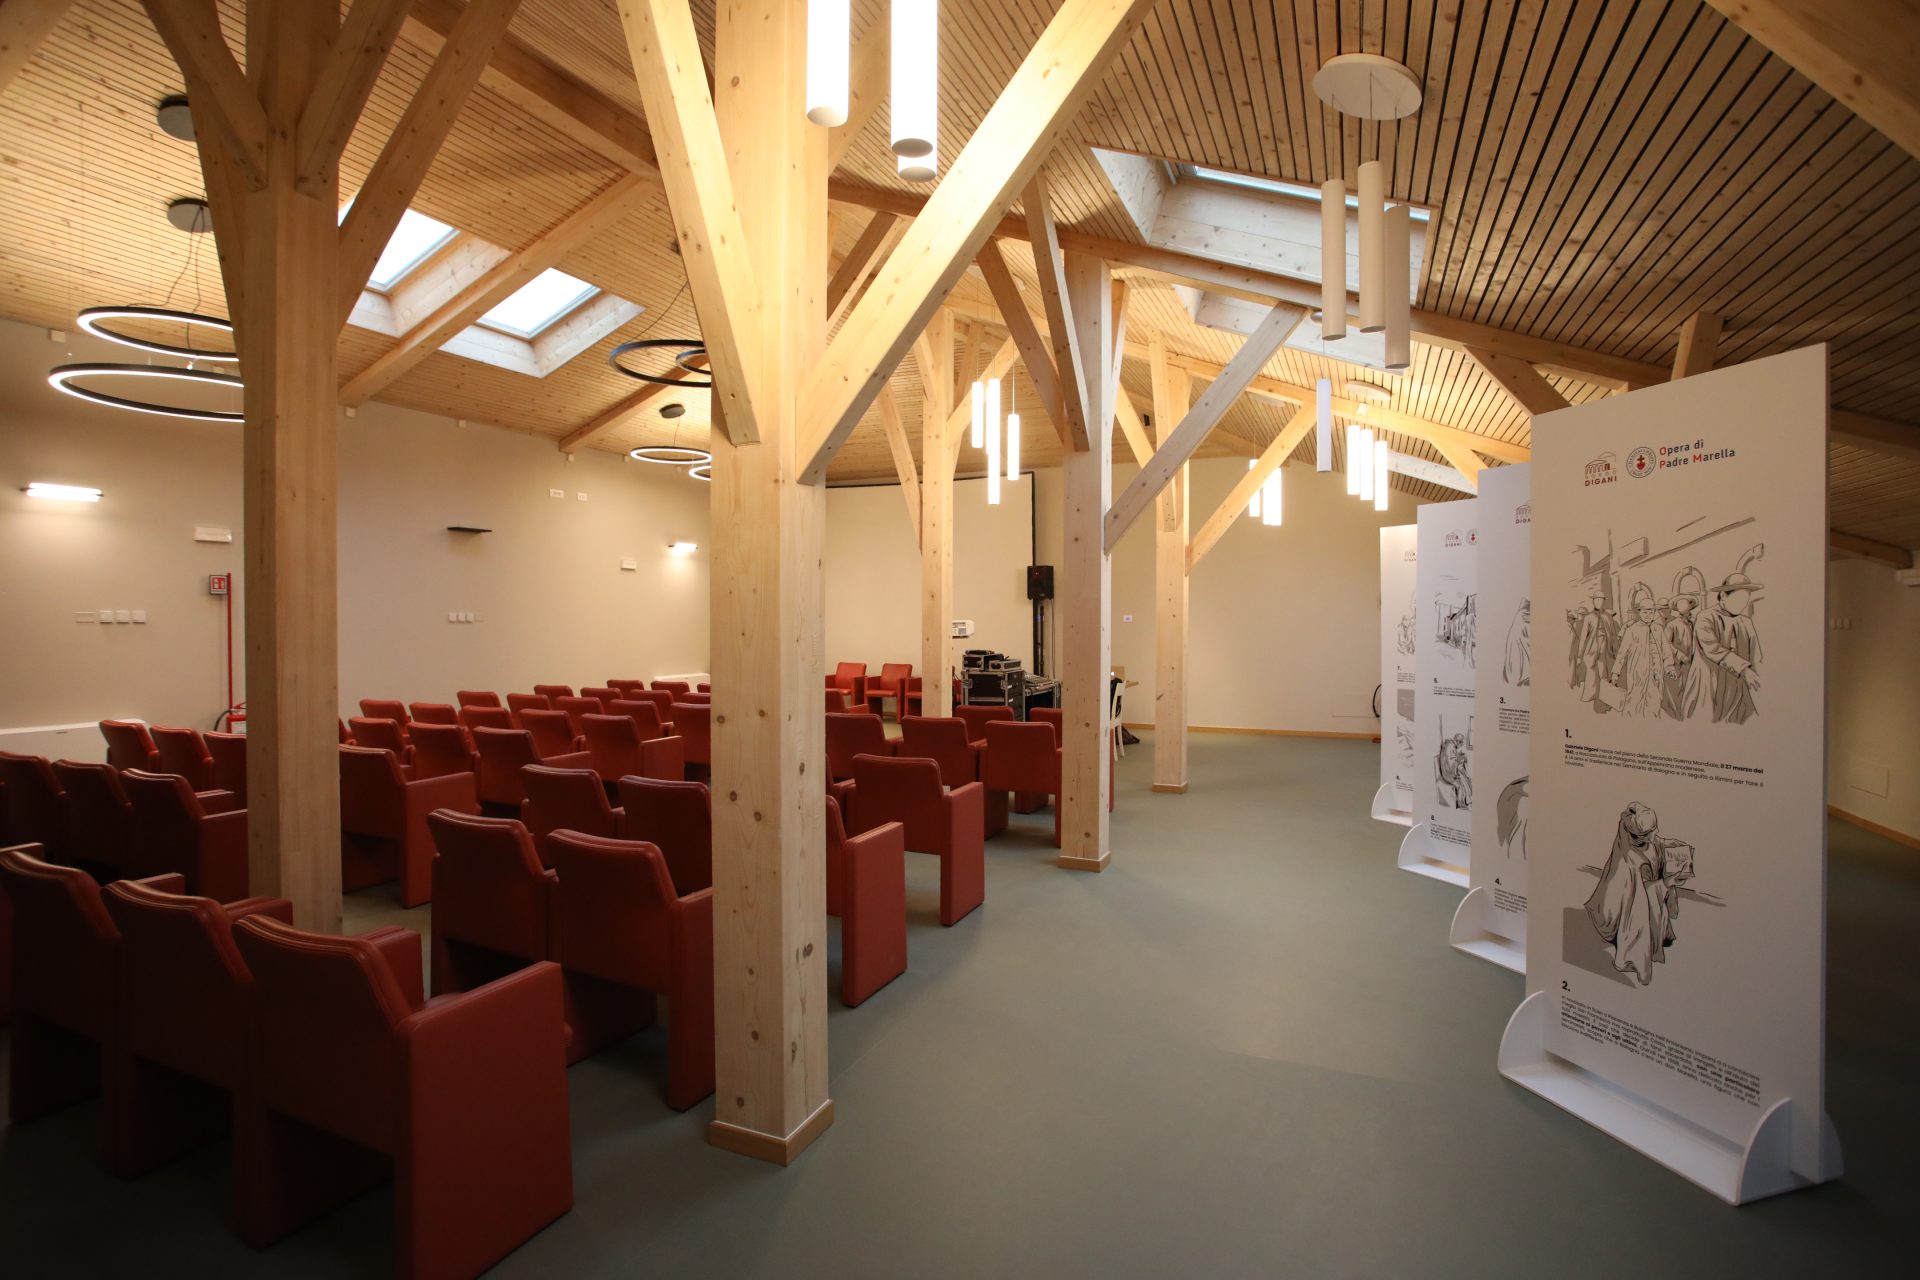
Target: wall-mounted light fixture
<point>683,548</point>
<point>61,492</point>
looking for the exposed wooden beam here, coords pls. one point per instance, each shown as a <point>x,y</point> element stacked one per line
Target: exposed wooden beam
<point>1133,428</point>
<point>1520,380</point>
<point>1699,342</point>
<point>1236,501</point>
<point>858,263</point>
<point>1877,435</point>
<point>1120,295</point>
<point>24,27</point>
<point>1206,411</point>
<point>1849,544</point>
<point>933,353</point>
<point>1068,361</point>
<point>903,464</point>
<point>867,86</point>
<point>492,288</point>
<point>215,83</point>
<point>1035,351</point>
<point>614,416</point>
<point>672,76</point>
<point>1463,459</point>
<point>1008,146</point>
<point>1863,53</point>
<point>409,151</point>
<point>352,67</point>
<point>1172,397</point>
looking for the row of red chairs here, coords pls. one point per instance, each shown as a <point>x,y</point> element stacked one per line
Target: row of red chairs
<point>322,1054</point>
<point>849,688</point>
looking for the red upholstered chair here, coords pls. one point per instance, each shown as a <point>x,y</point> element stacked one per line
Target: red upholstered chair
<point>1057,718</point>
<point>518,702</point>
<point>944,740</point>
<point>626,687</point>
<point>915,698</point>
<point>99,822</point>
<point>947,824</point>
<point>180,1050</point>
<point>693,724</point>
<point>677,819</point>
<point>177,833</point>
<point>978,718</point>
<point>384,709</point>
<point>430,713</point>
<point>574,708</point>
<point>552,691</point>
<point>129,745</point>
<point>1023,757</point>
<point>616,749</point>
<point>703,687</point>
<point>472,718</point>
<point>493,906</point>
<point>695,699</point>
<point>380,735</point>
<point>836,702</point>
<point>502,754</point>
<point>867,890</point>
<point>64,992</point>
<point>36,807</point>
<point>183,752</point>
<point>605,693</point>
<point>440,750</point>
<point>476,698</point>
<point>552,732</point>
<point>620,922</point>
<point>346,739</point>
<point>383,821</point>
<point>229,752</point>
<point>648,720</point>
<point>662,699</point>
<point>565,799</point>
<point>850,678</point>
<point>890,683</point>
<point>674,687</point>
<point>465,1095</point>
<point>854,734</point>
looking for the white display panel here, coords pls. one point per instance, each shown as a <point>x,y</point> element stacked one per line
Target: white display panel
<point>1492,920</point>
<point>1399,641</point>
<point>1676,865</point>
<point>1447,618</point>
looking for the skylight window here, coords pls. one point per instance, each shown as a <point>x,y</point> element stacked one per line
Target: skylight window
<point>1271,186</point>
<point>414,240</point>
<point>538,303</point>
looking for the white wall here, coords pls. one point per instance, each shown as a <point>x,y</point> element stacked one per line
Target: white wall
<point>1873,691</point>
<point>556,604</point>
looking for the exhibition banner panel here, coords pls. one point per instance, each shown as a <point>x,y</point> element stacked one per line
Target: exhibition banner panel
<point>1446,617</point>
<point>1676,839</point>
<point>1399,640</point>
<point>1497,904</point>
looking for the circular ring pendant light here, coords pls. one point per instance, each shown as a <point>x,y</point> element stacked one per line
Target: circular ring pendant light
<point>64,378</point>
<point>670,455</point>
<point>94,319</point>
<point>685,349</point>
<point>704,471</point>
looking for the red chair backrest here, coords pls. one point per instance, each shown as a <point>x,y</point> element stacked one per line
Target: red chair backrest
<point>489,889</point>
<point>472,718</point>
<point>503,753</point>
<point>129,745</point>
<point>373,793</point>
<point>613,743</point>
<point>892,678</point>
<point>35,807</point>
<point>627,686</point>
<point>229,752</point>
<point>836,702</point>
<point>846,673</point>
<point>64,942</point>
<point>183,984</point>
<point>384,709</point>
<point>518,702</point>
<point>551,691</point>
<point>1021,756</point>
<point>552,731</point>
<point>646,717</point>
<point>849,735</point>
<point>431,713</point>
<point>660,698</point>
<point>440,749</point>
<point>183,752</point>
<point>605,693</point>
<point>566,799</point>
<point>1050,715</point>
<point>611,908</point>
<point>382,734</point>
<point>694,699</point>
<point>576,708</point>
<point>167,816</point>
<point>677,819</point>
<point>693,723</point>
<point>904,791</point>
<point>99,816</point>
<point>675,687</point>
<point>978,718</point>
<point>476,698</point>
<point>943,740</point>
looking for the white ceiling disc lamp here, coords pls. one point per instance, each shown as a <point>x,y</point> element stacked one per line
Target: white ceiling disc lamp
<point>1376,89</point>
<point>1367,87</point>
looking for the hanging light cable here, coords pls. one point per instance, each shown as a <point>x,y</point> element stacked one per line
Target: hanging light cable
<point>1323,425</point>
<point>1382,457</point>
<point>993,443</point>
<point>1253,504</point>
<point>915,104</point>
<point>829,40</point>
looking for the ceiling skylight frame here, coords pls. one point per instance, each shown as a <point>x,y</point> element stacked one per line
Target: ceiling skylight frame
<point>550,315</point>
<point>421,237</point>
<point>1183,171</point>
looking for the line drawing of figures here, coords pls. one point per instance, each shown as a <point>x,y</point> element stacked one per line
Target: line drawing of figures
<point>1403,740</point>
<point>1576,623</point>
<point>1722,676</point>
<point>1681,645</point>
<point>1454,624</point>
<point>1406,638</point>
<point>1512,812</point>
<point>1637,901</point>
<point>1452,766</point>
<point>1516,669</point>
<point>1595,645</point>
<point>1639,670</point>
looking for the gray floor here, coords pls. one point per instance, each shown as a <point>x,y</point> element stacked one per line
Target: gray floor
<point>1245,1050</point>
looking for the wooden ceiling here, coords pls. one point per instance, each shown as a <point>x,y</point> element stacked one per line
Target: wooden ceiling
<point>1601,171</point>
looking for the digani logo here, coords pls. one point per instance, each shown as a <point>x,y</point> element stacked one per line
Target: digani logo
<point>1599,471</point>
<point>1523,514</point>
<point>1453,537</point>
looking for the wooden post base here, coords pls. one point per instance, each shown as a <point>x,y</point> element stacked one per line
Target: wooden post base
<point>765,1146</point>
<point>1073,863</point>
<point>1171,788</point>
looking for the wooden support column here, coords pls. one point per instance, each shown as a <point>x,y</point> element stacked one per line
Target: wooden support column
<point>24,26</point>
<point>934,354</point>
<point>1699,343</point>
<point>1172,392</point>
<point>1086,585</point>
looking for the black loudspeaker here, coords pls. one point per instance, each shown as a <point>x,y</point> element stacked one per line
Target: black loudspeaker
<point>1039,582</point>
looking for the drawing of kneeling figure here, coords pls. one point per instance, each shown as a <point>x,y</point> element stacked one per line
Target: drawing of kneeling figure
<point>1637,901</point>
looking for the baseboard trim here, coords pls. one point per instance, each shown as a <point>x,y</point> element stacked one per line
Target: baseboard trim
<point>1265,733</point>
<point>1072,863</point>
<point>766,1146</point>
<point>1171,788</point>
<point>1868,824</point>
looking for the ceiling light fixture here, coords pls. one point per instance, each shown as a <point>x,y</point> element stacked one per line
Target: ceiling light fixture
<point>1372,88</point>
<point>1363,462</point>
<point>1323,425</point>
<point>1271,510</point>
<point>175,117</point>
<point>685,350</point>
<point>1353,453</point>
<point>1396,265</point>
<point>1367,392</point>
<point>993,442</point>
<point>1382,458</point>
<point>1333,259</point>
<point>93,320</point>
<point>61,492</point>
<point>702,472</point>
<point>670,455</point>
<point>977,427</point>
<point>829,40</point>
<point>1253,503</point>
<point>1013,447</point>
<point>190,214</point>
<point>915,104</point>
<point>64,378</point>
<point>674,410</point>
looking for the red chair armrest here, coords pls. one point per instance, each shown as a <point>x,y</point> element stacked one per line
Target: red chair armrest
<point>664,758</point>
<point>968,804</point>
<point>276,908</point>
<point>575,760</point>
<point>448,791</point>
<point>666,728</point>
<point>400,948</point>
<point>223,857</point>
<point>166,882</point>
<point>218,801</point>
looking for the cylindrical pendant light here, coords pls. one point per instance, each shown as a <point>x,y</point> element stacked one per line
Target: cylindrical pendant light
<point>1353,461</point>
<point>915,106</point>
<point>918,168</point>
<point>1323,425</point>
<point>1253,505</point>
<point>993,443</point>
<point>1373,247</point>
<point>1381,492</point>
<point>977,429</point>
<point>1397,266</point>
<point>1362,461</point>
<point>1013,447</point>
<point>1270,501</point>
<point>1333,259</point>
<point>829,41</point>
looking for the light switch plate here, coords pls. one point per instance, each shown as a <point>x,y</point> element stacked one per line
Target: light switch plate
<point>1126,617</point>
<point>139,615</point>
<point>556,493</point>
<point>106,616</point>
<point>207,533</point>
<point>581,496</point>
<point>84,615</point>
<point>630,564</point>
